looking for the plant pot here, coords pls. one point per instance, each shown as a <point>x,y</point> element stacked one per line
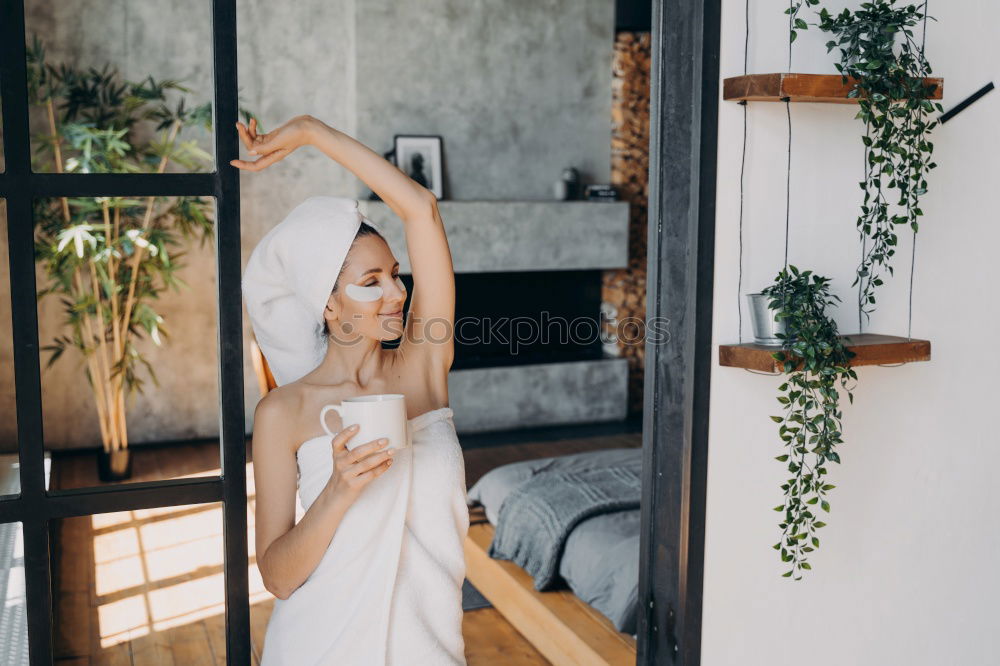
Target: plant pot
<point>114,465</point>
<point>763,319</point>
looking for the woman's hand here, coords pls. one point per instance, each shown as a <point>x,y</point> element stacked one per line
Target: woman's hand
<point>355,469</point>
<point>274,145</point>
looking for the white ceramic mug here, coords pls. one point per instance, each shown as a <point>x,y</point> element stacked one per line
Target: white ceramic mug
<point>379,415</point>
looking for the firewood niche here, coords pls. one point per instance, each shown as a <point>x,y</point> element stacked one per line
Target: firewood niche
<point>823,88</point>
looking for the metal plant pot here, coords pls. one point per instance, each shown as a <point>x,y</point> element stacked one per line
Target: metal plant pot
<point>763,319</point>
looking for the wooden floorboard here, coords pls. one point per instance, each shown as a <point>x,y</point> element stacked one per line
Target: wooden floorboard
<point>145,587</point>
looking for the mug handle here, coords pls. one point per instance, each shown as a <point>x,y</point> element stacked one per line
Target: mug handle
<point>322,417</point>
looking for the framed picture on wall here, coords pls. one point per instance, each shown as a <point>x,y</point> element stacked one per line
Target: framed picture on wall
<point>419,157</point>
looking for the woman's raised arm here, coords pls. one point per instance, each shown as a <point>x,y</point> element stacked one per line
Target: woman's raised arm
<point>404,196</point>
<point>431,322</point>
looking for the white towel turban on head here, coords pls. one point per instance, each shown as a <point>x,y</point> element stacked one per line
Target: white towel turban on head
<point>288,280</point>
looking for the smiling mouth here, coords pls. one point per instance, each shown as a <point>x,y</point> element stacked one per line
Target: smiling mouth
<point>397,313</point>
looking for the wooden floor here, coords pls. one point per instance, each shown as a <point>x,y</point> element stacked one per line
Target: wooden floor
<point>146,587</point>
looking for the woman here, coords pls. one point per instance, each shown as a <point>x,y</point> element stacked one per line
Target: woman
<point>372,573</point>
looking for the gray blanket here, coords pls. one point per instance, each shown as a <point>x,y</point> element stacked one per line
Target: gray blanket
<point>537,517</point>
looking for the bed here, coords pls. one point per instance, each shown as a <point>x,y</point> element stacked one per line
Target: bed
<point>580,607</point>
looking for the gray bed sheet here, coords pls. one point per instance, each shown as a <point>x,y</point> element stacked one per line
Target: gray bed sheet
<point>600,561</point>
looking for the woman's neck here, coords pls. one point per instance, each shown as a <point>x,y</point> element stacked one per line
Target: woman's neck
<point>359,362</point>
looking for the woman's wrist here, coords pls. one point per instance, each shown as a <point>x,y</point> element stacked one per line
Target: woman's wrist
<point>317,131</point>
<point>334,499</point>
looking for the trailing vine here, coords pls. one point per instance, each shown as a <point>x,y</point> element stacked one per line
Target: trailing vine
<point>879,54</point>
<point>815,359</point>
<point>795,23</point>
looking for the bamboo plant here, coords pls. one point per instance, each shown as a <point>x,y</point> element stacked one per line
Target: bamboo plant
<point>110,258</point>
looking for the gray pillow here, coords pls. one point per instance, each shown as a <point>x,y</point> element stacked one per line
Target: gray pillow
<point>494,486</point>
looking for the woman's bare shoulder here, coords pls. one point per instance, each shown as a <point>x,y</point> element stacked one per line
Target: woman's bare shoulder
<point>276,415</point>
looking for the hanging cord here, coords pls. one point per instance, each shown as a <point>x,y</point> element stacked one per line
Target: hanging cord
<point>743,166</point>
<point>758,372</point>
<point>743,163</point>
<point>788,112</point>
<point>788,171</point>
<point>746,37</point>
<point>788,186</point>
<point>739,283</point>
<point>913,248</point>
<point>923,42</point>
<point>791,25</point>
<point>788,177</point>
<point>755,372</point>
<point>864,244</point>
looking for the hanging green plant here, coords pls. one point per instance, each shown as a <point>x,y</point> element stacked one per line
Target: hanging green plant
<point>879,54</point>
<point>794,22</point>
<point>815,360</point>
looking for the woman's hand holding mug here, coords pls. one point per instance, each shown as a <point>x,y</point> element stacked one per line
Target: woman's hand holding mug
<point>355,468</point>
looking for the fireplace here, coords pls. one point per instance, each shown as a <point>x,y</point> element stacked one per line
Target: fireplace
<point>504,319</point>
<point>528,347</point>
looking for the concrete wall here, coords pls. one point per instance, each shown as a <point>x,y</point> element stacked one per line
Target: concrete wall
<point>903,575</point>
<point>517,89</point>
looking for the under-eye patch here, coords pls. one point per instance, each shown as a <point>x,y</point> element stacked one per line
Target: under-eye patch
<point>364,294</point>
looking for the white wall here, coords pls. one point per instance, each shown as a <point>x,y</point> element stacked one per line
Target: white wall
<point>906,570</point>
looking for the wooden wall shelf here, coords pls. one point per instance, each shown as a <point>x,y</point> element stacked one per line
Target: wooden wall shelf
<point>871,349</point>
<point>827,88</point>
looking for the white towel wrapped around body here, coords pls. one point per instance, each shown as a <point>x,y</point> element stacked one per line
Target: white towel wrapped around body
<point>389,588</point>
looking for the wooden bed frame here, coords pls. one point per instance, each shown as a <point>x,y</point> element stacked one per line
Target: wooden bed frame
<point>564,628</point>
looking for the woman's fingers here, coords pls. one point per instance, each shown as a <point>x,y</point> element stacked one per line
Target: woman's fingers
<point>256,144</point>
<point>260,163</point>
<point>372,473</point>
<point>374,460</point>
<point>359,452</point>
<point>340,440</point>
<point>267,143</point>
<point>244,133</point>
<point>272,146</point>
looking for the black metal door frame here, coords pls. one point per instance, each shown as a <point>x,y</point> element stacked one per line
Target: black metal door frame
<point>683,142</point>
<point>34,507</point>
<point>684,104</point>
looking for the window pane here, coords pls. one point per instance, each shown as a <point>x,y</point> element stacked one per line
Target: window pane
<point>146,583</point>
<point>10,480</point>
<point>144,394</point>
<point>13,614</point>
<point>124,85</point>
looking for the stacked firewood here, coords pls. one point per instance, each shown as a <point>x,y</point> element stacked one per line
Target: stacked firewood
<point>624,291</point>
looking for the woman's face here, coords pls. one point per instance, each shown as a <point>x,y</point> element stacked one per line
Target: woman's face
<point>370,296</point>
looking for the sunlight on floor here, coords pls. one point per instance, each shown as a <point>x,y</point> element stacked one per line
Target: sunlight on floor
<point>161,568</point>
